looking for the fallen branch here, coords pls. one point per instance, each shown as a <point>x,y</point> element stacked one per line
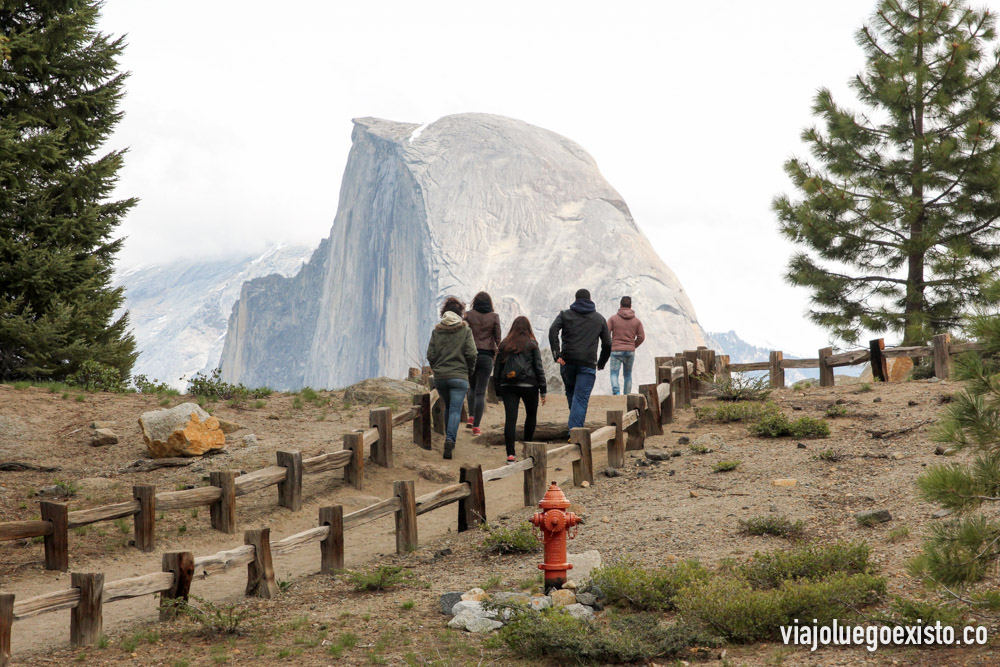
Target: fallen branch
<point>17,466</point>
<point>885,435</point>
<point>148,465</point>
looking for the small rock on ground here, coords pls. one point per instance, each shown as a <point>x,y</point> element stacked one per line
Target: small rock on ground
<point>580,612</point>
<point>449,600</point>
<point>584,563</point>
<point>873,516</point>
<point>562,598</point>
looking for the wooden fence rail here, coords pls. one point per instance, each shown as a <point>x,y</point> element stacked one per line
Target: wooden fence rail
<point>89,592</point>
<point>56,519</point>
<point>941,350</point>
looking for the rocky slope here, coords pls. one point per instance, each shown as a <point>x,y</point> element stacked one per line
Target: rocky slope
<point>469,202</point>
<point>179,311</point>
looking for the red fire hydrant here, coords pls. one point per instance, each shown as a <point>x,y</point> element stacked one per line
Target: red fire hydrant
<point>555,522</point>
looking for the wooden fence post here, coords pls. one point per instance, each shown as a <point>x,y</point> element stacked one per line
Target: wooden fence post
<point>6,621</point>
<point>331,549</point>
<point>724,373</point>
<point>666,406</point>
<point>636,432</point>
<point>425,375</point>
<point>381,419</point>
<point>776,372</point>
<point>616,447</point>
<point>260,572</point>
<point>942,356</point>
<point>422,422</point>
<point>354,472</point>
<point>535,478</point>
<point>880,368</point>
<point>472,509</point>
<point>56,544</point>
<point>684,390</point>
<point>583,470</point>
<point>223,510</point>
<point>144,523</point>
<point>86,618</point>
<point>290,490</point>
<point>438,416</point>
<point>652,412</point>
<point>825,372</point>
<point>406,517</point>
<point>181,563</point>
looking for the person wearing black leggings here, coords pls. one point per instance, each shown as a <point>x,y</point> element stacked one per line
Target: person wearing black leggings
<point>519,377</point>
<point>485,325</point>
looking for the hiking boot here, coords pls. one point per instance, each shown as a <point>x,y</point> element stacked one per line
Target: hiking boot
<point>448,447</point>
<point>476,430</point>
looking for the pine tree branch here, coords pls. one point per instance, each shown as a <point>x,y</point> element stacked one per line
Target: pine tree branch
<point>961,175</point>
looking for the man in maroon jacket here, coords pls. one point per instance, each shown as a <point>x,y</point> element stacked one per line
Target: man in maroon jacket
<point>626,335</point>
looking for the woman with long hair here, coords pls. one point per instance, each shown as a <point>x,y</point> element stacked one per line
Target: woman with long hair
<point>518,376</point>
<point>485,325</point>
<point>452,356</point>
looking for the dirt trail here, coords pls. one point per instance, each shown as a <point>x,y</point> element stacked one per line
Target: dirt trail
<point>364,544</point>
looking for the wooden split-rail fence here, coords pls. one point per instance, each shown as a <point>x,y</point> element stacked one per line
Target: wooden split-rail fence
<point>941,349</point>
<point>625,430</point>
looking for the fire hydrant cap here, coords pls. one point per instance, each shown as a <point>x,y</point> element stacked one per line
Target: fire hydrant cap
<point>554,499</point>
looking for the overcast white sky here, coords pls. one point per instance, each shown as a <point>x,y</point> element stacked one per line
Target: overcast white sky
<point>238,115</point>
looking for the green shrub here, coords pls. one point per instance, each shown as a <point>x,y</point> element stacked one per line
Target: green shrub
<point>309,394</point>
<point>144,386</point>
<point>379,579</point>
<point>726,466</point>
<point>555,635</point>
<point>777,425</point>
<point>830,456</point>
<point>908,612</point>
<point>835,410</point>
<point>814,561</point>
<point>778,526</point>
<point>95,376</point>
<point>66,487</point>
<point>502,540</point>
<point>743,387</point>
<point>740,411</point>
<point>626,583</point>
<point>864,388</point>
<point>213,388</point>
<point>212,619</point>
<point>700,449</point>
<point>21,385</point>
<point>735,610</point>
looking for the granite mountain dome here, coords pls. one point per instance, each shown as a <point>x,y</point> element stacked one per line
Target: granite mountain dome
<point>469,202</point>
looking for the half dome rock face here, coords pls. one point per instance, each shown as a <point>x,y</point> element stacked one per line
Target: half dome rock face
<point>470,202</point>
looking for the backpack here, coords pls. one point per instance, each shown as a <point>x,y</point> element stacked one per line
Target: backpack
<point>515,368</point>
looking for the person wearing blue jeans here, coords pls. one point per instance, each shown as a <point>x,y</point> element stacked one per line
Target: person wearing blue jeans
<point>580,328</point>
<point>452,355</point>
<point>627,334</point>
<point>621,360</point>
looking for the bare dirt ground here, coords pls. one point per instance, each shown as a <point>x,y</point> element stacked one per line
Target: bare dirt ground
<point>677,509</point>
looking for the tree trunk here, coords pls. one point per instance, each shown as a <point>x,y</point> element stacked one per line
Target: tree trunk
<point>914,331</point>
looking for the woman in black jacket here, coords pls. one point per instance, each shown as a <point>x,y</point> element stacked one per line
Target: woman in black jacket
<point>518,376</point>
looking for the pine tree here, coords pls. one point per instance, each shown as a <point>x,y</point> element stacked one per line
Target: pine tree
<point>966,548</point>
<point>59,95</point>
<point>899,215</point>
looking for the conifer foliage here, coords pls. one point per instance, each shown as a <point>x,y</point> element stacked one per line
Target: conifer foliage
<point>60,89</point>
<point>898,212</point>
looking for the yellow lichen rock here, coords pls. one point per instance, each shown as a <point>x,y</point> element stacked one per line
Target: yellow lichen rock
<point>184,430</point>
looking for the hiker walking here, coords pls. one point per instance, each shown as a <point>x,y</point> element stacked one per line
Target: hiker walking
<point>452,356</point>
<point>626,335</point>
<point>581,327</point>
<point>485,325</point>
<point>519,376</point>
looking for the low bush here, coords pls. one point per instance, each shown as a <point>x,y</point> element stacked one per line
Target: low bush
<point>503,540</point>
<point>379,579</point>
<point>777,425</point>
<point>903,611</point>
<point>737,611</point>
<point>834,411</point>
<point>739,411</point>
<point>212,619</point>
<point>626,583</point>
<point>830,456</point>
<point>143,385</point>
<point>95,376</point>
<point>615,639</point>
<point>743,387</point>
<point>212,387</point>
<point>726,466</point>
<point>777,526</point>
<point>814,561</point>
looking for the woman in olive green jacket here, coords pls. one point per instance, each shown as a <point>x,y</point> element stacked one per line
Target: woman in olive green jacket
<point>452,356</point>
